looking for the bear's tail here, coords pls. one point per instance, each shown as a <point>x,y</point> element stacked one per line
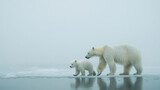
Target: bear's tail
<point>94,73</point>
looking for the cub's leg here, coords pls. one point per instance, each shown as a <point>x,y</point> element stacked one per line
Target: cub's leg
<point>90,73</point>
<point>82,72</point>
<point>76,72</point>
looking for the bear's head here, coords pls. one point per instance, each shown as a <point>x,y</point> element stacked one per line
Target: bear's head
<point>91,53</point>
<point>73,64</point>
<point>94,52</point>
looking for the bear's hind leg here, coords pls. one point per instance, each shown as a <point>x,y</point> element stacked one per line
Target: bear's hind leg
<point>90,73</point>
<point>127,69</point>
<point>138,68</point>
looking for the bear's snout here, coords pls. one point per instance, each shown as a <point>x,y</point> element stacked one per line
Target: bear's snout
<point>86,57</point>
<point>70,66</point>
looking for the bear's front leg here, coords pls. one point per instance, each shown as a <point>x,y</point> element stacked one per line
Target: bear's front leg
<point>77,72</point>
<point>82,72</point>
<point>101,66</point>
<point>99,71</point>
<point>112,67</point>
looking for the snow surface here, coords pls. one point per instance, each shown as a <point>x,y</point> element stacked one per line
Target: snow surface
<point>54,72</point>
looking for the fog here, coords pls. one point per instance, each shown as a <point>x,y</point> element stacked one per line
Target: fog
<point>51,33</point>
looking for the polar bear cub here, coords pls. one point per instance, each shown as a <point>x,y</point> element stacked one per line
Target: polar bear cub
<point>81,66</point>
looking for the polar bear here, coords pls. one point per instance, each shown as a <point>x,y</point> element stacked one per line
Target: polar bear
<point>81,66</point>
<point>125,55</point>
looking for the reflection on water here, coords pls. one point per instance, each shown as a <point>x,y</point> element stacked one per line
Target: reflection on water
<point>83,83</point>
<point>128,85</point>
<point>109,84</point>
<point>103,86</point>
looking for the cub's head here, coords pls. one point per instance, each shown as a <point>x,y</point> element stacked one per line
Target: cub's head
<point>73,64</point>
<point>91,53</point>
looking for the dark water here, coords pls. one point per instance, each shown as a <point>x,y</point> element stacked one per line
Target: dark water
<point>112,83</point>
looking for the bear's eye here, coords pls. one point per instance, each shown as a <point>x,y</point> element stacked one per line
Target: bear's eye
<point>88,53</point>
<point>72,64</point>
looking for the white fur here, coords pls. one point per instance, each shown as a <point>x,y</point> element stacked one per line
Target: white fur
<point>125,55</point>
<point>81,66</point>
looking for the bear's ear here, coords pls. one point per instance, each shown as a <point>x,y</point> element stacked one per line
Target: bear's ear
<point>75,60</point>
<point>92,48</point>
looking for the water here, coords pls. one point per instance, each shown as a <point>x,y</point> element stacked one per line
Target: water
<point>62,79</point>
<point>82,83</point>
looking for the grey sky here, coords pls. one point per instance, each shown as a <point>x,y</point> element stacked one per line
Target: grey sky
<point>51,33</point>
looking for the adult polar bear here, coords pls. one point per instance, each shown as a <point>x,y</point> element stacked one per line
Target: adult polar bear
<point>125,55</point>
